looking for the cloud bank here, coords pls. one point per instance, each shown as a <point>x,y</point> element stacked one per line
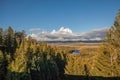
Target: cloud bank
<point>66,34</point>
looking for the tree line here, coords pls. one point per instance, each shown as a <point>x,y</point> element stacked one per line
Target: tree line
<point>23,58</point>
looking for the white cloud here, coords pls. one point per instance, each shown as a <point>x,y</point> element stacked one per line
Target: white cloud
<point>62,30</point>
<point>66,34</point>
<point>34,29</point>
<point>33,35</point>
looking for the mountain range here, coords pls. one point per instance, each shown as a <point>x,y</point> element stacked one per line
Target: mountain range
<point>67,35</point>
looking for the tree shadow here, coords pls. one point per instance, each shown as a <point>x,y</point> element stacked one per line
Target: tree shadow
<point>80,77</point>
<point>36,76</point>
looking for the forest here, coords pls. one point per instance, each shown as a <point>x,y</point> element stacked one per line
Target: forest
<point>23,58</point>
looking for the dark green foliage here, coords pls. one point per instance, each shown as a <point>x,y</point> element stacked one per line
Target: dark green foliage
<point>3,66</point>
<point>46,64</point>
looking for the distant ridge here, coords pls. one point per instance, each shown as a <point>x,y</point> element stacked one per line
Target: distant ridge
<point>72,41</point>
<point>67,35</point>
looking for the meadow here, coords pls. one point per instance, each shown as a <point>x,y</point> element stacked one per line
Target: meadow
<point>88,49</point>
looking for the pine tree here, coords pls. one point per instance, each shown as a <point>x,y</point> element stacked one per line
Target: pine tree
<point>18,69</point>
<point>70,64</point>
<point>108,59</point>
<point>10,42</point>
<point>1,65</point>
<point>1,36</point>
<point>76,66</point>
<point>43,64</point>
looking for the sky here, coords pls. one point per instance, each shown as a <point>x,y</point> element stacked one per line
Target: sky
<point>47,15</point>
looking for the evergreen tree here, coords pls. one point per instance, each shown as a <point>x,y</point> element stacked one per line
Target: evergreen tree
<point>43,64</point>
<point>19,69</point>
<point>69,67</point>
<point>10,42</point>
<point>108,59</point>
<point>1,36</point>
<point>76,66</point>
<point>2,70</point>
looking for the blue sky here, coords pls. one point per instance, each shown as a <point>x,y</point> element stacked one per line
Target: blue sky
<point>78,15</point>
